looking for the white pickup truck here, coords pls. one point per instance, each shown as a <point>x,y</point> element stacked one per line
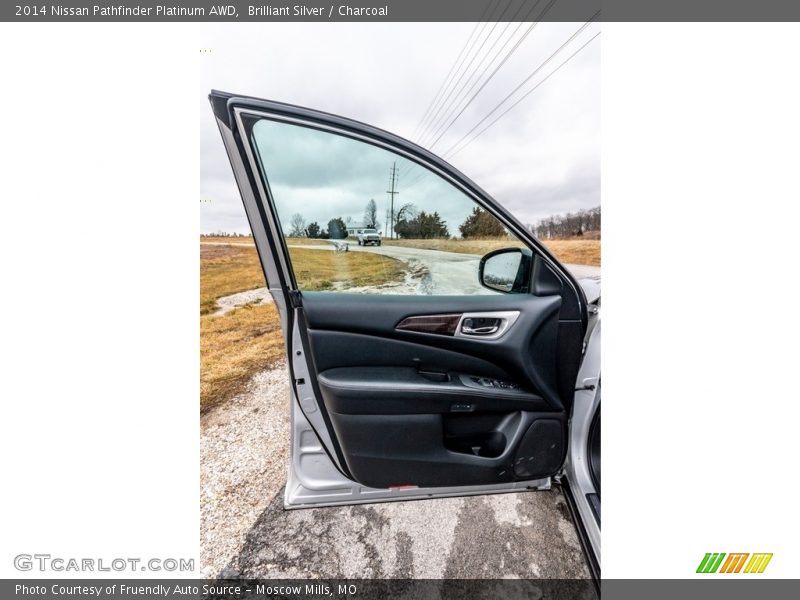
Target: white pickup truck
<point>369,236</point>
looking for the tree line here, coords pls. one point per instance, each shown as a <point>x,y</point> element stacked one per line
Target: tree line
<point>412,223</point>
<point>568,225</point>
<point>226,234</point>
<point>336,227</point>
<point>409,223</point>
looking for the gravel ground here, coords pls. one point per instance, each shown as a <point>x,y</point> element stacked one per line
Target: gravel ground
<point>244,449</point>
<point>244,529</point>
<point>256,296</point>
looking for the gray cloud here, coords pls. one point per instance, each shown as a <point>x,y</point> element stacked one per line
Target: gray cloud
<point>541,158</point>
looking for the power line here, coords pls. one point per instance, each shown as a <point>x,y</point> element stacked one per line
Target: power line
<point>482,26</point>
<point>511,37</point>
<point>493,73</point>
<point>441,86</point>
<point>449,153</point>
<point>528,78</point>
<point>456,97</point>
<point>528,93</point>
<point>420,129</point>
<point>433,121</point>
<point>508,55</point>
<point>444,90</point>
<point>441,123</point>
<point>449,73</point>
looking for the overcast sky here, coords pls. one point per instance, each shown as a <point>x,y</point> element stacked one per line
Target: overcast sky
<point>542,158</point>
<point>322,176</point>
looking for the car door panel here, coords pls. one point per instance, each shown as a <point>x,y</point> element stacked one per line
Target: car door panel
<point>392,387</point>
<point>405,390</point>
<point>523,356</point>
<point>405,405</point>
<point>419,439</point>
<point>332,349</point>
<point>425,450</point>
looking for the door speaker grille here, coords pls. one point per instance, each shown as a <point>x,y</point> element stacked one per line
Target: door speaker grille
<point>540,451</point>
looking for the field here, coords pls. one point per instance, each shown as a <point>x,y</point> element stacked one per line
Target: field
<point>236,345</point>
<point>576,251</point>
<point>572,251</point>
<point>225,270</point>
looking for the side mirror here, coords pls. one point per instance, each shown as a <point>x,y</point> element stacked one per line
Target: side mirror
<point>506,270</point>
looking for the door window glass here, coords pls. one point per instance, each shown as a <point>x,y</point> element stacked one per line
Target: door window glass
<point>359,218</point>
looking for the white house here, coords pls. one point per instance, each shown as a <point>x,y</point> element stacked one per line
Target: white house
<point>355,228</point>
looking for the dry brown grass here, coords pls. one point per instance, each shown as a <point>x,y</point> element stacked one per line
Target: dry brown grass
<point>229,268</point>
<point>225,270</point>
<point>462,246</point>
<point>238,344</point>
<point>224,239</point>
<point>575,251</point>
<point>234,347</point>
<point>325,269</point>
<point>304,241</point>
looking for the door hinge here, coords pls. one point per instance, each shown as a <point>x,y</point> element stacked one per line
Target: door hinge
<point>295,298</point>
<point>593,311</point>
<point>589,383</point>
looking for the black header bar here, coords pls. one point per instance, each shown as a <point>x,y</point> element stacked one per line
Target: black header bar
<point>403,10</point>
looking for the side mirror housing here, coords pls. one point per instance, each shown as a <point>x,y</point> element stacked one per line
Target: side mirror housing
<point>507,270</point>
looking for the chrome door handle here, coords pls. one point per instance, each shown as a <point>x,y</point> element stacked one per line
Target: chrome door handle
<point>485,326</point>
<point>480,330</point>
<point>467,329</point>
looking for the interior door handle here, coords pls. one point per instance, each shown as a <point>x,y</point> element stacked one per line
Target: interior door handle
<point>468,329</point>
<point>489,325</point>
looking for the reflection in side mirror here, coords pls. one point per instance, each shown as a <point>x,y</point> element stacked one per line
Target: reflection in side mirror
<point>506,270</point>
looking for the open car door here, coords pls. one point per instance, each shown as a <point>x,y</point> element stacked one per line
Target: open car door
<point>439,362</point>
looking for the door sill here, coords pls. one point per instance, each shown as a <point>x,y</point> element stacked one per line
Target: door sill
<point>297,496</point>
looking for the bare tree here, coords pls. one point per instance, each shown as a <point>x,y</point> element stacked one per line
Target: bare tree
<point>408,211</point>
<point>569,225</point>
<point>371,215</point>
<point>298,225</point>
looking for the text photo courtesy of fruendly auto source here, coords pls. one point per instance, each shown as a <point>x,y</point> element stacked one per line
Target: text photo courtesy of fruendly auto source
<point>400,301</point>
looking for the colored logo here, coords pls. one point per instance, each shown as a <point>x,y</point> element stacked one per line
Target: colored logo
<point>734,563</point>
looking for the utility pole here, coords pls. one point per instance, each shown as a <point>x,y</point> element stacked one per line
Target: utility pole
<point>392,194</point>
